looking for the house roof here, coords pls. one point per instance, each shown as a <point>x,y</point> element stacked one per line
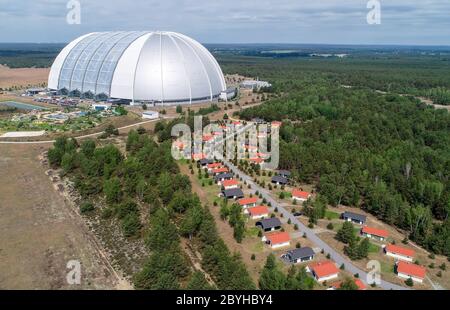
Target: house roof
<point>299,193</point>
<point>220,170</point>
<point>411,269</point>
<point>230,182</point>
<point>223,176</point>
<point>276,124</point>
<point>399,250</point>
<point>324,268</point>
<point>207,138</point>
<point>205,161</point>
<point>279,179</point>
<point>278,237</point>
<point>179,144</point>
<point>300,253</point>
<point>355,216</point>
<point>233,192</point>
<point>198,156</point>
<point>375,231</point>
<point>214,165</point>
<point>259,210</point>
<point>247,201</point>
<point>357,281</point>
<point>257,160</point>
<point>269,223</point>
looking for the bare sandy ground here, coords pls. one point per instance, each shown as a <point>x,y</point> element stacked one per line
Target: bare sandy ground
<point>22,76</point>
<point>39,234</point>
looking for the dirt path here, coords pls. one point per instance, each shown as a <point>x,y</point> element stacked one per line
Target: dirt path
<point>38,233</point>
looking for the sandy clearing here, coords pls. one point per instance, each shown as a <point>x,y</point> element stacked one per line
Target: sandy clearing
<point>38,233</point>
<point>22,76</point>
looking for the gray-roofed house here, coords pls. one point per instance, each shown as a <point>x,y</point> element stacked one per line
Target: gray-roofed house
<point>219,178</point>
<point>205,161</point>
<point>233,193</point>
<point>299,255</point>
<point>269,224</point>
<point>284,173</point>
<point>279,180</point>
<point>354,217</point>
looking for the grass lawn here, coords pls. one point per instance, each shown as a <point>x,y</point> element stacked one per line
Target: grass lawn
<point>387,267</point>
<point>373,248</point>
<point>258,247</point>
<point>252,232</point>
<point>331,215</point>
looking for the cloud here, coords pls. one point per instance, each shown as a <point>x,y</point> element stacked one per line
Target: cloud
<point>302,21</point>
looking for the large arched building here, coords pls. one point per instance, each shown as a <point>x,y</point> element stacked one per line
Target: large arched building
<point>158,67</point>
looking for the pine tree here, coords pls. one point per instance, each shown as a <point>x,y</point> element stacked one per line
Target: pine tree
<point>346,234</point>
<point>271,277</point>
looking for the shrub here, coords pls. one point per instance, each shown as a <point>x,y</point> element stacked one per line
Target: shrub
<point>131,224</point>
<point>86,207</point>
<point>409,282</point>
<point>330,226</point>
<point>253,257</point>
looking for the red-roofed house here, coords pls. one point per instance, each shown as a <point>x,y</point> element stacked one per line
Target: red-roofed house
<point>256,160</point>
<point>214,166</point>
<point>258,212</point>
<point>323,271</point>
<point>178,145</point>
<point>277,239</point>
<point>374,233</point>
<point>248,202</point>
<point>220,170</point>
<point>228,184</point>
<point>300,195</point>
<point>399,252</point>
<point>207,138</point>
<point>276,124</point>
<point>263,155</point>
<point>198,156</point>
<point>358,282</point>
<point>409,270</point>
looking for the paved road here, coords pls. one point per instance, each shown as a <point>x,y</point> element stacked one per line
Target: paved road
<point>338,258</point>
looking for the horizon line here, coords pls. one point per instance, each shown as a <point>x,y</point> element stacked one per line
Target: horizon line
<point>284,43</point>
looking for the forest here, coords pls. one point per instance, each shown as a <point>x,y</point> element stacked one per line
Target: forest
<point>385,153</point>
<point>144,192</point>
<point>411,74</point>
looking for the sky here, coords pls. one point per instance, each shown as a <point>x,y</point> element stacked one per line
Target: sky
<point>403,22</point>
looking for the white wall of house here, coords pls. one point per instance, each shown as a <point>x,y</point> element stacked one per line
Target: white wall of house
<point>406,276</point>
<point>280,245</point>
<point>258,217</point>
<point>231,186</point>
<point>400,257</point>
<point>333,276</point>
<point>298,199</point>
<point>299,260</point>
<point>373,237</point>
